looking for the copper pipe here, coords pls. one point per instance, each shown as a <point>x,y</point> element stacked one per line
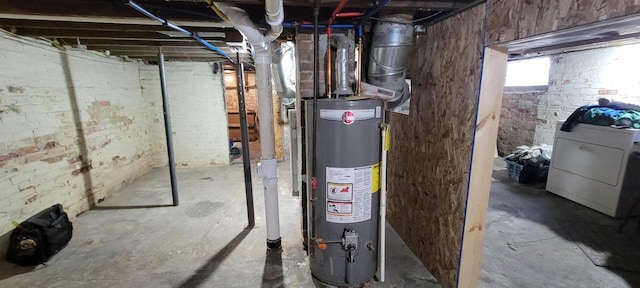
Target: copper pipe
<point>349,14</point>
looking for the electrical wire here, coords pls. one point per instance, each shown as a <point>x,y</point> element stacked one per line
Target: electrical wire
<point>165,22</point>
<point>427,17</point>
<point>416,20</point>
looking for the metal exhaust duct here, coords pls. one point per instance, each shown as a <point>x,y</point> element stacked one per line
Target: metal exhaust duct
<point>283,71</point>
<point>342,44</point>
<point>390,50</point>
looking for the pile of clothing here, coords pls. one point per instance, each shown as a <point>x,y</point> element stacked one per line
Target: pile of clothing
<point>532,156</point>
<point>614,114</point>
<point>532,164</point>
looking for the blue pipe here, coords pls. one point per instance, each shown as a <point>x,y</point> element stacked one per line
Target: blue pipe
<point>180,29</point>
<point>368,15</point>
<point>310,26</point>
<point>145,12</point>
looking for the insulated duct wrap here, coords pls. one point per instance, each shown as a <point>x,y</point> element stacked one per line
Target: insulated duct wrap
<point>390,50</point>
<point>283,70</point>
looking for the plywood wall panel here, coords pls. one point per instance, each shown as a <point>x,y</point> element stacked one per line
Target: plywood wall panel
<point>509,20</point>
<point>431,148</point>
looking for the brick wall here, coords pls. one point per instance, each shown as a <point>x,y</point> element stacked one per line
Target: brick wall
<point>198,113</point>
<point>575,79</point>
<point>304,45</point>
<point>77,126</point>
<point>73,129</point>
<point>580,78</point>
<point>518,120</point>
<point>250,93</point>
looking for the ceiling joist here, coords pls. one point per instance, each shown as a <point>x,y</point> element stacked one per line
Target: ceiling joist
<point>112,25</point>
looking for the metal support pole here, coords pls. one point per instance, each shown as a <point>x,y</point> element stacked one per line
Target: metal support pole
<point>244,132</point>
<point>167,129</point>
<point>311,197</point>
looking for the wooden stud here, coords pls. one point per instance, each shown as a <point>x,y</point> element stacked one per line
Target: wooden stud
<point>494,70</point>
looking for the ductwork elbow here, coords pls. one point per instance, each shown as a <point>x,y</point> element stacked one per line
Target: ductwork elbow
<point>274,33</point>
<point>274,14</point>
<point>284,69</point>
<point>390,50</point>
<point>241,21</point>
<point>274,10</point>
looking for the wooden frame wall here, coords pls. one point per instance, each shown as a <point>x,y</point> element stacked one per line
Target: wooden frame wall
<point>424,199</point>
<point>430,152</point>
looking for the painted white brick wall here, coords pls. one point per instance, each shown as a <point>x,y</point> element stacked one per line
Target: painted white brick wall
<point>74,127</point>
<point>580,78</point>
<point>198,113</point>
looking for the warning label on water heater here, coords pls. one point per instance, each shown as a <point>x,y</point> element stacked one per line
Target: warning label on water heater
<point>349,194</point>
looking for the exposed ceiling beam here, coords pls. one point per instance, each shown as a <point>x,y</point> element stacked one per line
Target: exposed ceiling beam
<point>108,8</point>
<point>153,56</point>
<point>151,52</point>
<point>587,44</point>
<point>21,23</point>
<point>137,42</point>
<point>613,29</point>
<point>114,20</point>
<point>154,49</point>
<point>66,33</point>
<point>175,53</point>
<point>418,4</point>
<point>154,59</point>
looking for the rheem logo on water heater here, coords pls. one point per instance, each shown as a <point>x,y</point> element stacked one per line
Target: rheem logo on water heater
<point>348,117</point>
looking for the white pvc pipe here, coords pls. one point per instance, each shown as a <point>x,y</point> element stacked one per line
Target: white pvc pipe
<point>273,33</point>
<point>383,206</point>
<point>274,10</point>
<point>267,166</point>
<point>241,21</point>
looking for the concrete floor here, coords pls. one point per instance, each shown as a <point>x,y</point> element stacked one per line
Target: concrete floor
<point>134,239</point>
<point>526,246</point>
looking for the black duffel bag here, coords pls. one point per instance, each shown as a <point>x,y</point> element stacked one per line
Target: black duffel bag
<point>40,237</point>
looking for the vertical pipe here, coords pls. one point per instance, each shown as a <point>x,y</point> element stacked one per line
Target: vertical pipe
<point>383,200</point>
<point>316,91</point>
<point>360,32</point>
<point>167,129</point>
<point>328,69</point>
<point>359,68</point>
<point>244,132</point>
<point>267,165</point>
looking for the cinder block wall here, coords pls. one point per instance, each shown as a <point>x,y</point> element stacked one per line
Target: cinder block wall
<point>198,113</point>
<point>73,129</point>
<point>575,79</point>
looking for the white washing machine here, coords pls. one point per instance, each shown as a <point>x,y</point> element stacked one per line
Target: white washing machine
<point>589,166</point>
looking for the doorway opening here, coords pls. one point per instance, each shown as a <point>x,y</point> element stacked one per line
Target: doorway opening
<point>233,115</point>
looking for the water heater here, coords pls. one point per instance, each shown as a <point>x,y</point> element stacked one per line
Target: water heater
<point>343,235</point>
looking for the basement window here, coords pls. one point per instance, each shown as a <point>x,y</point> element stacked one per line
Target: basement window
<point>531,73</point>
